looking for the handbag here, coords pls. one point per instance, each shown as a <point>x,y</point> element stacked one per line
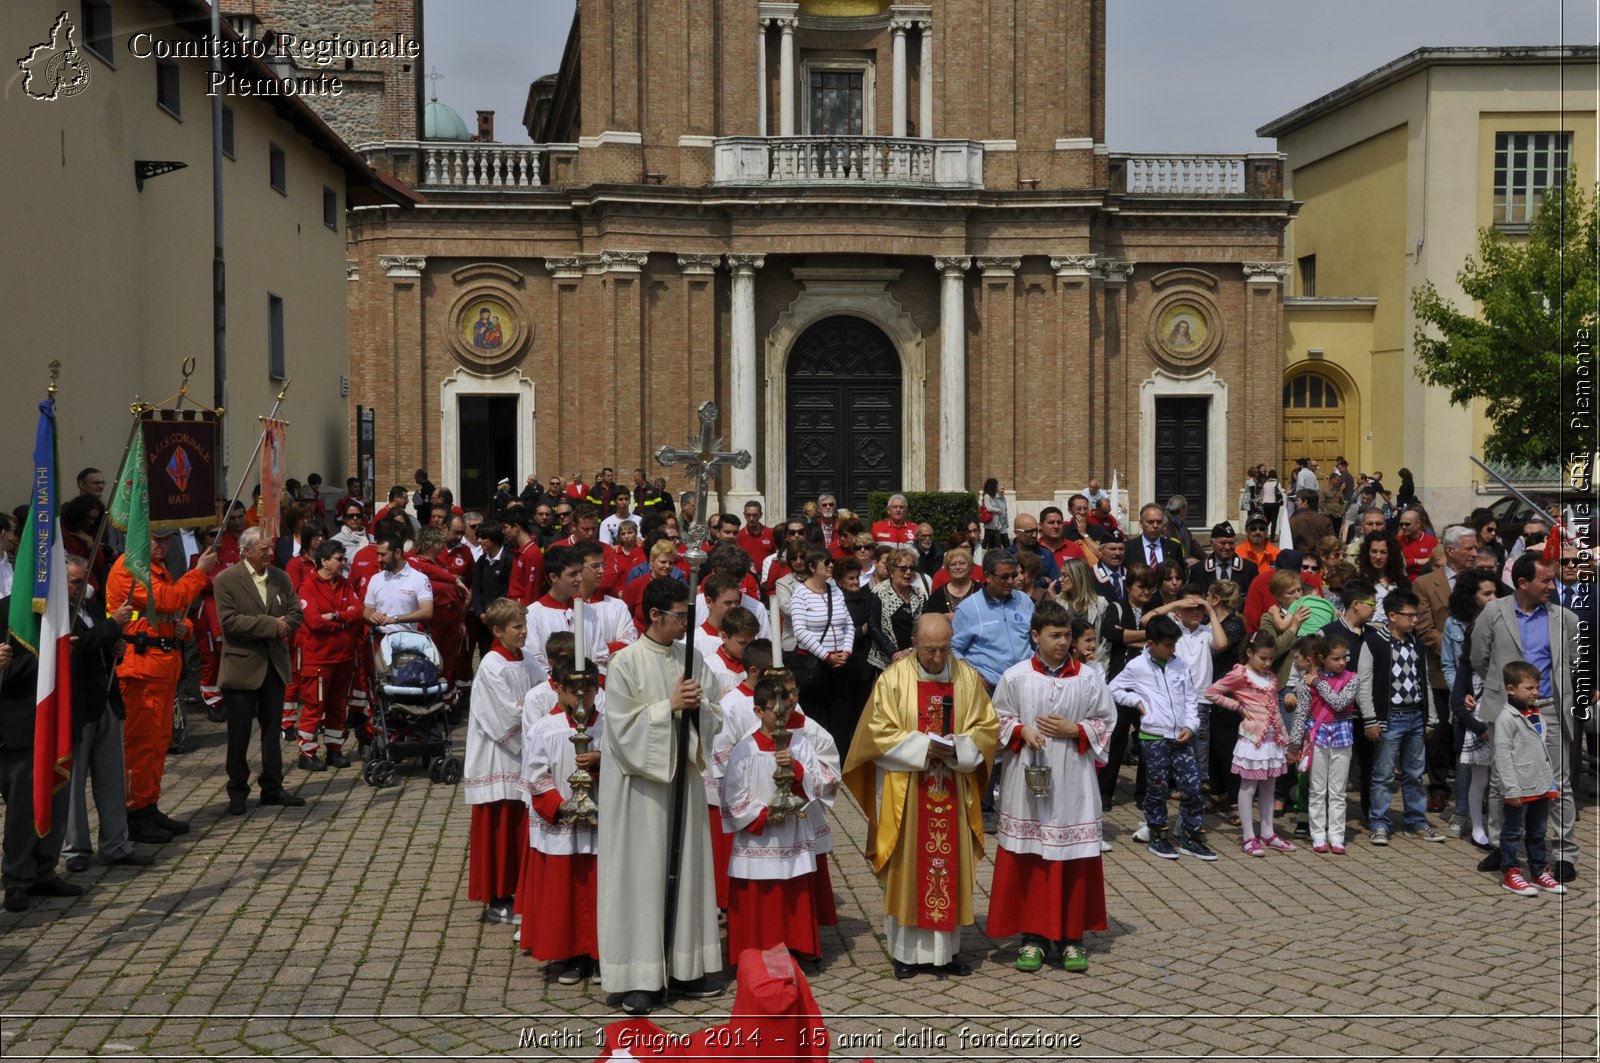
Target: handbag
<point>807,668</point>
<point>984,516</point>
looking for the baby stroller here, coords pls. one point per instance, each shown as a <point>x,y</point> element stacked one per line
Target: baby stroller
<point>410,716</point>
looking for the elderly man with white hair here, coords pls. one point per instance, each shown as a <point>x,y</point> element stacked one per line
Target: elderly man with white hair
<point>259,611</point>
<point>896,529</point>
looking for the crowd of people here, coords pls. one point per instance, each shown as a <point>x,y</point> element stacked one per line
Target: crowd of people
<point>997,680</point>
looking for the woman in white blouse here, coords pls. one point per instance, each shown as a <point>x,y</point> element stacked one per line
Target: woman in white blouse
<point>822,630</point>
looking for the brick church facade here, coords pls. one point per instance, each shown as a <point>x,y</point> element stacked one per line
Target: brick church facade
<point>887,239</point>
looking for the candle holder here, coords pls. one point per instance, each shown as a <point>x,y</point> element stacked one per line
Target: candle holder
<point>580,807</point>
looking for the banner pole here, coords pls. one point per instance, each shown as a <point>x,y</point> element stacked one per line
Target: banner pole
<point>256,450</point>
<point>136,408</point>
<point>1525,500</point>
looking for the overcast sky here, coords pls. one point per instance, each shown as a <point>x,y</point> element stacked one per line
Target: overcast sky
<point>1182,75</point>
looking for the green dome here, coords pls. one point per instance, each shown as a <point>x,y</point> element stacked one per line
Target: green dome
<point>441,123</point>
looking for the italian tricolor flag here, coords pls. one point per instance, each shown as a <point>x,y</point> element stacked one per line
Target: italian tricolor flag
<point>41,620</point>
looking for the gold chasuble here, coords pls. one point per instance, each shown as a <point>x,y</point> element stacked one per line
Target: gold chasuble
<point>925,827</point>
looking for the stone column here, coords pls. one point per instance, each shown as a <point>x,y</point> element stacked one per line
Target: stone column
<point>998,327</point>
<point>761,75</point>
<point>745,375</point>
<point>621,282</point>
<point>925,82</point>
<point>786,77</point>
<point>897,28</point>
<point>1081,420</point>
<point>952,373</point>
<point>1123,409</point>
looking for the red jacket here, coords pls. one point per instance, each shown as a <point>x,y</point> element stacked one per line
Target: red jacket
<point>448,601</point>
<point>362,568</point>
<point>527,574</point>
<point>329,642</point>
<point>1417,553</point>
<point>300,569</point>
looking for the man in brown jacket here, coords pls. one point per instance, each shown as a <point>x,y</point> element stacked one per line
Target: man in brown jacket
<point>258,611</point>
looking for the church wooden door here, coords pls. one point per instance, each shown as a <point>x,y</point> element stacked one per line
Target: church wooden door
<point>1181,454</point>
<point>843,416</point>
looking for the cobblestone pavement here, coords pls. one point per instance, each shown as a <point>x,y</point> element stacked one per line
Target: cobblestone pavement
<point>343,930</point>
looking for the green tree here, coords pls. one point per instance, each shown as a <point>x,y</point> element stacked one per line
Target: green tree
<point>1533,296</point>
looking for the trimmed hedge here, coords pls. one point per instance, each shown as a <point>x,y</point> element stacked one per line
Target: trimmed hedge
<point>945,510</point>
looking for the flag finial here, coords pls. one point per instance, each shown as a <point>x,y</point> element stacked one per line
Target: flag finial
<point>55,376</point>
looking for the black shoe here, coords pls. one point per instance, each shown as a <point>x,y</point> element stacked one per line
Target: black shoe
<point>77,862</point>
<point>697,988</point>
<point>133,858</point>
<point>572,972</point>
<point>216,714</point>
<point>337,759</point>
<point>291,733</point>
<point>1490,862</point>
<point>283,798</point>
<point>991,823</point>
<point>17,899</point>
<point>638,1002</point>
<point>904,970</point>
<point>55,886</point>
<point>167,823</point>
<point>1564,871</point>
<point>311,763</point>
<point>236,804</point>
<point>958,967</point>
<point>142,827</point>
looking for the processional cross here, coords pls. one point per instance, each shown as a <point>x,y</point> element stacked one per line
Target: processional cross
<point>701,461</point>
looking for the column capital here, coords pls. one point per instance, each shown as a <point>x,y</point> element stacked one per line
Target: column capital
<point>900,25</point>
<point>403,267</point>
<point>1073,265</point>
<point>623,261</point>
<point>999,266</point>
<point>572,267</point>
<point>952,266</point>
<point>352,270</point>
<point>769,12</point>
<point>1114,272</point>
<point>746,263</point>
<point>1265,272</point>
<point>693,262</point>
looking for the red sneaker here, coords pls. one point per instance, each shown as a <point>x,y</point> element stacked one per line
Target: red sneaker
<point>1514,882</point>
<point>1548,882</point>
<point>1336,850</point>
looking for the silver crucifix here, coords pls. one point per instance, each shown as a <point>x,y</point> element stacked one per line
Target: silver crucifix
<point>701,462</point>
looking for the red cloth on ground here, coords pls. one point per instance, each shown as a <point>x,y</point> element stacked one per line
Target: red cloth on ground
<point>1056,899</point>
<point>495,850</point>
<point>721,850</point>
<point>558,900</point>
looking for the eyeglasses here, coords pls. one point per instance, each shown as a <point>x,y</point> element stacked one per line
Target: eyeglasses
<point>680,615</point>
<point>1404,616</point>
<point>828,505</point>
<point>859,549</point>
<point>472,525</point>
<point>795,531</point>
<point>903,568</point>
<point>352,516</point>
<point>1569,561</point>
<point>1310,566</point>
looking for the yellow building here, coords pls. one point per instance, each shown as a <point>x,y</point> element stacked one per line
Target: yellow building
<point>1397,172</point>
<point>112,274</point>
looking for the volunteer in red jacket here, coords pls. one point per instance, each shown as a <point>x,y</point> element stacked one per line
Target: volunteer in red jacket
<point>896,529</point>
<point>329,637</point>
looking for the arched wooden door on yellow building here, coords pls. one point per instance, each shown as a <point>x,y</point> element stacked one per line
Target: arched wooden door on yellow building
<point>1320,415</point>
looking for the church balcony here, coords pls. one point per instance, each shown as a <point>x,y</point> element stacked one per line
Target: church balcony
<point>1257,174</point>
<point>459,166</point>
<point>836,161</point>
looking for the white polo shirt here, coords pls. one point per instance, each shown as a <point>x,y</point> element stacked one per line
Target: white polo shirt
<point>397,593</point>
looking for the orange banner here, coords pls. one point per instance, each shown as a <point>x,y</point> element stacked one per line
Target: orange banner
<point>272,447</point>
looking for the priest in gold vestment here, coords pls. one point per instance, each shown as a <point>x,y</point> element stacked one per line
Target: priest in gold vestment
<point>918,765</point>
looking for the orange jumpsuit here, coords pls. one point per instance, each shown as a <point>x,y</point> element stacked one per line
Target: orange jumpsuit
<point>149,679</point>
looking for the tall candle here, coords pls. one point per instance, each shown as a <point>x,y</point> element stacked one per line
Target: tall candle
<point>578,645</point>
<point>777,633</point>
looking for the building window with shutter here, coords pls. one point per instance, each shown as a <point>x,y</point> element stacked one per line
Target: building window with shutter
<point>275,353</point>
<point>1526,167</point>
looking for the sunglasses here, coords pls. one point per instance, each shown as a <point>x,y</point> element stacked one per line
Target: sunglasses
<point>472,525</point>
<point>1309,567</point>
<point>904,568</point>
<point>353,516</point>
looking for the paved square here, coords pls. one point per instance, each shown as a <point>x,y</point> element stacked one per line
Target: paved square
<point>342,929</point>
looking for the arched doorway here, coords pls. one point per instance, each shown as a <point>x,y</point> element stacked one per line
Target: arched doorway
<point>1318,409</point>
<point>843,414</point>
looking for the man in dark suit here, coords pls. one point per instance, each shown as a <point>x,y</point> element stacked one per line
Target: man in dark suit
<point>259,612</point>
<point>1223,563</point>
<point>491,576</point>
<point>1154,545</point>
<point>97,715</point>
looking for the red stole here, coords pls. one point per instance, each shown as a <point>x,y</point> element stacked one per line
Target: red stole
<point>938,815</point>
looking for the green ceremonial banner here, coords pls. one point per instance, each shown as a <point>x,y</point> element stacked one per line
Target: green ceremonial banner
<point>130,512</point>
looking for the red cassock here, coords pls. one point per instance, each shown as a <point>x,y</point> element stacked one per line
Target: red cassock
<point>775,1018</point>
<point>558,898</point>
<point>498,841</point>
<point>1057,899</point>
